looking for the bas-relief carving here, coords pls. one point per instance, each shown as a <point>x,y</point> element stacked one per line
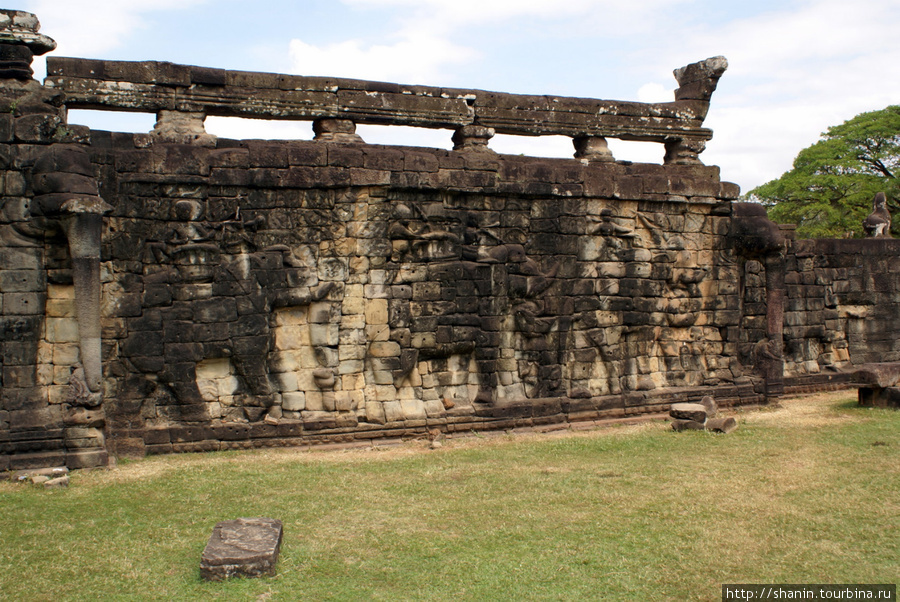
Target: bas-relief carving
<point>552,351</point>
<point>465,310</point>
<point>217,293</point>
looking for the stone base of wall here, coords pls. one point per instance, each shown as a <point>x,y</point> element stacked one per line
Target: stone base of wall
<point>533,413</point>
<point>814,383</point>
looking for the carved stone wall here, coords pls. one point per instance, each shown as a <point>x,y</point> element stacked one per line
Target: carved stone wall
<point>170,292</point>
<point>843,305</point>
<point>348,289</point>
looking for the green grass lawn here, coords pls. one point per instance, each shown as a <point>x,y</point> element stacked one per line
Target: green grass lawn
<point>806,493</point>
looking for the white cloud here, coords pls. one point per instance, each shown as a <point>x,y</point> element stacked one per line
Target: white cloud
<point>414,59</point>
<point>654,92</point>
<point>92,27</point>
<point>793,73</point>
<point>424,41</point>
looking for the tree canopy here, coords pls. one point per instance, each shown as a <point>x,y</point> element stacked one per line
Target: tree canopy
<point>829,191</point>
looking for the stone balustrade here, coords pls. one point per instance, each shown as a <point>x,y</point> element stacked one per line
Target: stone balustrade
<point>184,95</point>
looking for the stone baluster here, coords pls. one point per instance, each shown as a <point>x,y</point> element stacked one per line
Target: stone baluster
<point>335,130</point>
<point>683,151</point>
<point>472,138</point>
<point>178,127</point>
<point>592,148</point>
<point>19,43</point>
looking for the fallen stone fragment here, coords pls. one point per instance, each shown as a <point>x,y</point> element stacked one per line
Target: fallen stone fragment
<point>62,481</point>
<point>689,411</point>
<point>712,408</point>
<point>686,425</point>
<point>50,473</point>
<point>879,397</point>
<point>244,547</point>
<point>721,425</point>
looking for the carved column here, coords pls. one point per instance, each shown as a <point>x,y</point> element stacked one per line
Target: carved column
<point>473,138</point>
<point>335,130</point>
<point>683,151</point>
<point>19,43</point>
<point>178,127</point>
<point>592,148</point>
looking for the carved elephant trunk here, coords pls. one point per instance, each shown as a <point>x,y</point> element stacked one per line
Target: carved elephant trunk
<point>83,232</point>
<point>66,193</point>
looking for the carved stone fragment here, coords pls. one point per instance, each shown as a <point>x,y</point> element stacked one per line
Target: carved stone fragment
<point>679,425</point>
<point>689,411</point>
<point>721,425</point>
<point>244,547</point>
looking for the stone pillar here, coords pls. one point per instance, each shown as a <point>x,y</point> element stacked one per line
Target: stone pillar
<point>179,127</point>
<point>592,148</point>
<point>335,130</point>
<point>683,151</point>
<point>472,138</point>
<point>19,43</point>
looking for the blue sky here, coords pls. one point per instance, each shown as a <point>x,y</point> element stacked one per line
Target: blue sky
<point>796,66</point>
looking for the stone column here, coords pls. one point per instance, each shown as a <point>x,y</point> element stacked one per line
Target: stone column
<point>592,148</point>
<point>335,130</point>
<point>19,43</point>
<point>178,127</point>
<point>472,138</point>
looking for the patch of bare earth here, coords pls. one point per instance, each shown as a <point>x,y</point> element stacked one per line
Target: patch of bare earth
<point>805,411</point>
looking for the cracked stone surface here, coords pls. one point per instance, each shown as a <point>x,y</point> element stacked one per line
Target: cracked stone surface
<point>243,547</point>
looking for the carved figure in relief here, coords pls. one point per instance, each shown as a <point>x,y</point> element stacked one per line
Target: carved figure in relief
<point>198,262</point>
<point>416,239</point>
<point>615,235</point>
<point>495,298</point>
<point>78,393</point>
<point>662,231</point>
<point>878,223</point>
<point>188,228</point>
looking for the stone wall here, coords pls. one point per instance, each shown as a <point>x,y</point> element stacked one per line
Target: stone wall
<point>168,291</point>
<point>344,290</point>
<point>843,305</point>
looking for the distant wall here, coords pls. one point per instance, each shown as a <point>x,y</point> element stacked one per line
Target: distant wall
<point>843,304</point>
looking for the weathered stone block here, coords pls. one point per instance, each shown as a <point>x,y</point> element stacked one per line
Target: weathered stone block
<point>878,397</point>
<point>245,547</point>
<point>689,411</point>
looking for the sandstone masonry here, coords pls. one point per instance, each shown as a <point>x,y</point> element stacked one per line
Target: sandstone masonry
<point>169,292</point>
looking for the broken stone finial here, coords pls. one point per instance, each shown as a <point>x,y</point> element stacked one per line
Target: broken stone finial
<point>244,547</point>
<point>698,81</point>
<point>878,223</point>
<point>20,42</point>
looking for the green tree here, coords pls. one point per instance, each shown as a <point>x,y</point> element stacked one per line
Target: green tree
<point>829,191</point>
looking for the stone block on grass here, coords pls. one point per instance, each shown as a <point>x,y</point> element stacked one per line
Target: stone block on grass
<point>244,547</point>
<point>686,425</point>
<point>721,425</point>
<point>689,411</point>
